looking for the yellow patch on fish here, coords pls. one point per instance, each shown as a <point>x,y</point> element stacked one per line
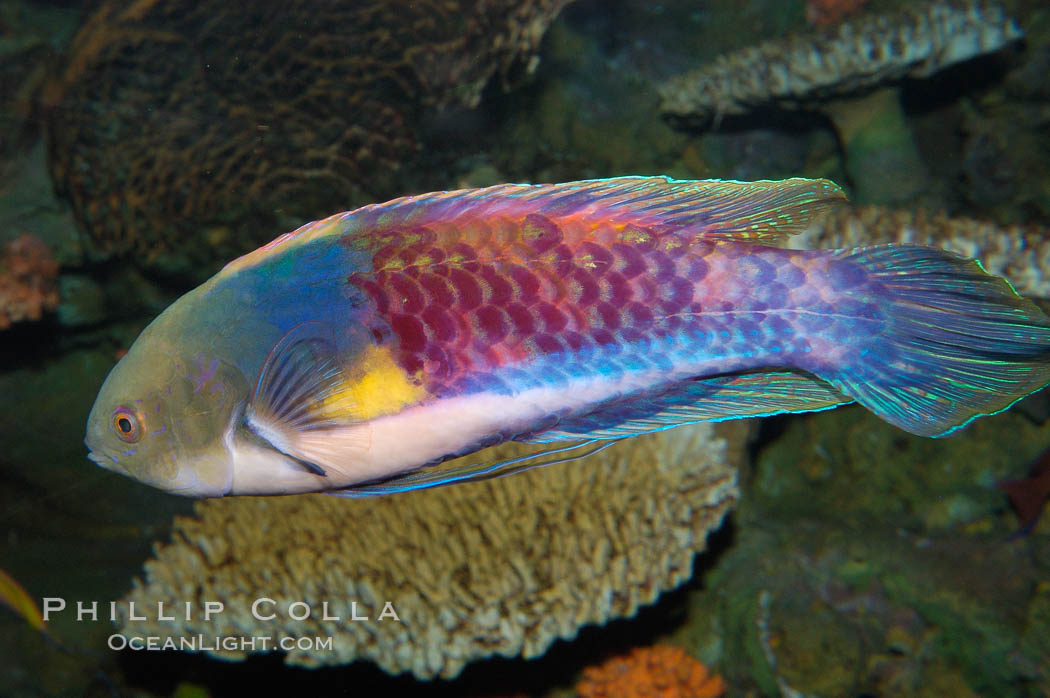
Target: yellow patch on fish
<point>378,387</point>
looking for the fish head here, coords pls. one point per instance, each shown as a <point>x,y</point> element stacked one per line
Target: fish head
<point>165,415</point>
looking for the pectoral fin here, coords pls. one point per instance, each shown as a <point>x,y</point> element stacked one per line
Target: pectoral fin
<point>303,393</point>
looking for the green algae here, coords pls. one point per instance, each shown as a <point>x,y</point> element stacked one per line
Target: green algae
<point>849,465</point>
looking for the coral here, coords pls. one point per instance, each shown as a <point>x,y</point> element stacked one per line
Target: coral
<point>28,280</point>
<point>501,567</point>
<point>857,55</point>
<point>1021,254</point>
<point>825,12</point>
<point>175,125</point>
<point>661,671</point>
<point>836,70</point>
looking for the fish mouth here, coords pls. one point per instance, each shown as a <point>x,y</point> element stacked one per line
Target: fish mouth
<point>103,461</point>
<point>112,465</point>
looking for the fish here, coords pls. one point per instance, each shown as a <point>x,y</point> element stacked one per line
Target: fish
<point>360,354</point>
<point>14,596</point>
<point>1028,495</point>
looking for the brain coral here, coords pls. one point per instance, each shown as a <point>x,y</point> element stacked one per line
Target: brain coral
<point>503,567</point>
<point>173,122</point>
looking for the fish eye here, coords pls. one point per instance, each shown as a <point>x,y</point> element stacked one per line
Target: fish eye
<point>127,423</point>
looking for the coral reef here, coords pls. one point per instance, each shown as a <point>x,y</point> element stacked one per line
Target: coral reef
<point>175,125</point>
<point>503,567</point>
<point>1020,253</point>
<point>861,561</point>
<point>872,50</point>
<point>665,671</point>
<point>28,280</point>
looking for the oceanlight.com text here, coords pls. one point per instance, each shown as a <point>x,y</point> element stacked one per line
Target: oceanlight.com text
<point>215,643</point>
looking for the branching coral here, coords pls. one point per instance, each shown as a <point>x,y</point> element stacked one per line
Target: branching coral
<point>1020,254</point>
<point>174,123</point>
<point>28,280</point>
<point>503,567</point>
<point>837,71</point>
<point>663,671</point>
<point>856,55</point>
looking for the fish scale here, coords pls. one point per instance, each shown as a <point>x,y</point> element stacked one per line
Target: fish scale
<point>488,321</point>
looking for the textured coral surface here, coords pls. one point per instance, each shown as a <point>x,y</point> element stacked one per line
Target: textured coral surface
<point>502,567</point>
<point>857,55</point>
<point>662,671</point>
<point>1019,253</point>
<point>171,120</point>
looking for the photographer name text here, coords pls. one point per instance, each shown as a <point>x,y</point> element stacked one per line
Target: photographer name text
<point>262,608</point>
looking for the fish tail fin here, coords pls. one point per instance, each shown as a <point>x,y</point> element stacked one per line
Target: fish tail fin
<point>957,343</point>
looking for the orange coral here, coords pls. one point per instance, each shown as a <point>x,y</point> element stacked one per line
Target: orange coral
<point>661,671</point>
<point>825,12</point>
<point>28,280</point>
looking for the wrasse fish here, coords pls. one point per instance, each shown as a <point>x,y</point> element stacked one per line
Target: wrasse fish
<point>14,595</point>
<point>362,351</point>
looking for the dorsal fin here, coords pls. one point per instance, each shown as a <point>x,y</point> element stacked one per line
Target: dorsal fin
<point>762,211</point>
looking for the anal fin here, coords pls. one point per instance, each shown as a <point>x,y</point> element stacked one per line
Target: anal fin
<point>453,471</point>
<point>708,399</point>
